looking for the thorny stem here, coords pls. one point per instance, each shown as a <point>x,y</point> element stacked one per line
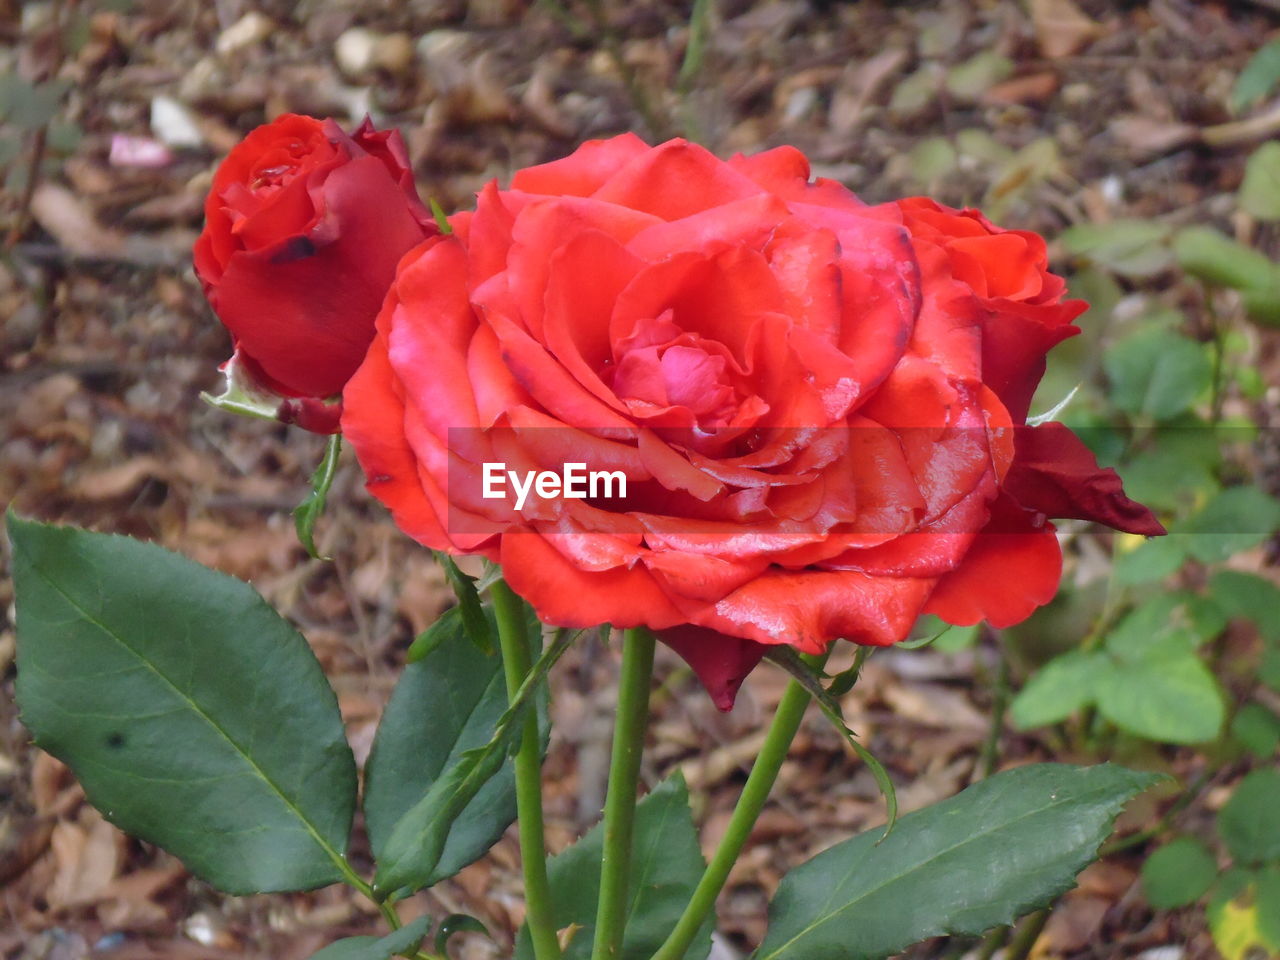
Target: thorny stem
<point>786,722</point>
<point>620,801</point>
<point>514,640</point>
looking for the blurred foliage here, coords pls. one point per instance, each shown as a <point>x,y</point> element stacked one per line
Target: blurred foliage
<point>1182,636</point>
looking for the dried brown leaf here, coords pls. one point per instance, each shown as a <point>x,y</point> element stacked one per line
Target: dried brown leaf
<point>117,481</point>
<point>1032,88</point>
<point>71,223</point>
<point>1061,27</point>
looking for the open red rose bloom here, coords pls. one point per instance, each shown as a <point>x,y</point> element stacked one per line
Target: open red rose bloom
<point>819,405</point>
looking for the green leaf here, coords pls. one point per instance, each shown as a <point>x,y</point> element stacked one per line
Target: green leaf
<point>1262,304</point>
<point>1216,259</point>
<point>846,679</point>
<point>1269,669</point>
<point>1001,848</point>
<point>1060,688</point>
<point>401,941</point>
<point>1132,248</point>
<point>807,675</point>
<point>413,851</point>
<point>932,159</point>
<point>666,865</point>
<point>1268,901</point>
<point>1178,873</point>
<point>453,924</point>
<point>1258,78</point>
<point>30,106</point>
<point>1171,698</point>
<point>1250,820</point>
<point>954,639</point>
<point>1156,374</point>
<point>1237,519</point>
<point>1249,596</point>
<point>64,137</point>
<point>1260,191</point>
<point>441,218</point>
<point>445,704</point>
<point>1258,729</point>
<point>447,625</point>
<point>917,91</point>
<point>1169,475</point>
<point>1161,626</point>
<point>308,511</point>
<point>1151,560</point>
<point>971,79</point>
<point>931,631</point>
<point>194,716</point>
<point>1240,930</point>
<point>479,628</point>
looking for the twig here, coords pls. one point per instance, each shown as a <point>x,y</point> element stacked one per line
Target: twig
<point>23,217</point>
<point>1243,131</point>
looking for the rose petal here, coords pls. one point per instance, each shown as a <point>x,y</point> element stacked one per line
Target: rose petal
<point>584,171</point>
<point>1012,568</point>
<point>1054,473</point>
<point>565,596</point>
<point>721,663</point>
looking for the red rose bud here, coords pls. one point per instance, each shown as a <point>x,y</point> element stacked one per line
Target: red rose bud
<point>818,407</point>
<point>304,226</point>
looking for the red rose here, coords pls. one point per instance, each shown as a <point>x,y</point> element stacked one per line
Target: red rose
<point>801,391</point>
<point>304,226</point>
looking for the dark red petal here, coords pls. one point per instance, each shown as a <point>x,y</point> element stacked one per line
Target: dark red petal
<point>389,147</point>
<point>1054,473</point>
<point>720,662</point>
<point>312,414</point>
<point>1015,339</point>
<point>305,312</point>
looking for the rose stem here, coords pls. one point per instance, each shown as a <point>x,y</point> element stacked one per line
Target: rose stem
<point>786,721</point>
<point>514,639</point>
<point>620,800</point>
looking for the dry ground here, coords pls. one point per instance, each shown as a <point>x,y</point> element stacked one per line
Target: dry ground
<point>107,342</point>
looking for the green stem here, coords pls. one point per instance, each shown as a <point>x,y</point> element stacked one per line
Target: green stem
<point>620,801</point>
<point>514,639</point>
<point>786,721</point>
<point>989,756</point>
<point>1026,935</point>
<point>993,941</point>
